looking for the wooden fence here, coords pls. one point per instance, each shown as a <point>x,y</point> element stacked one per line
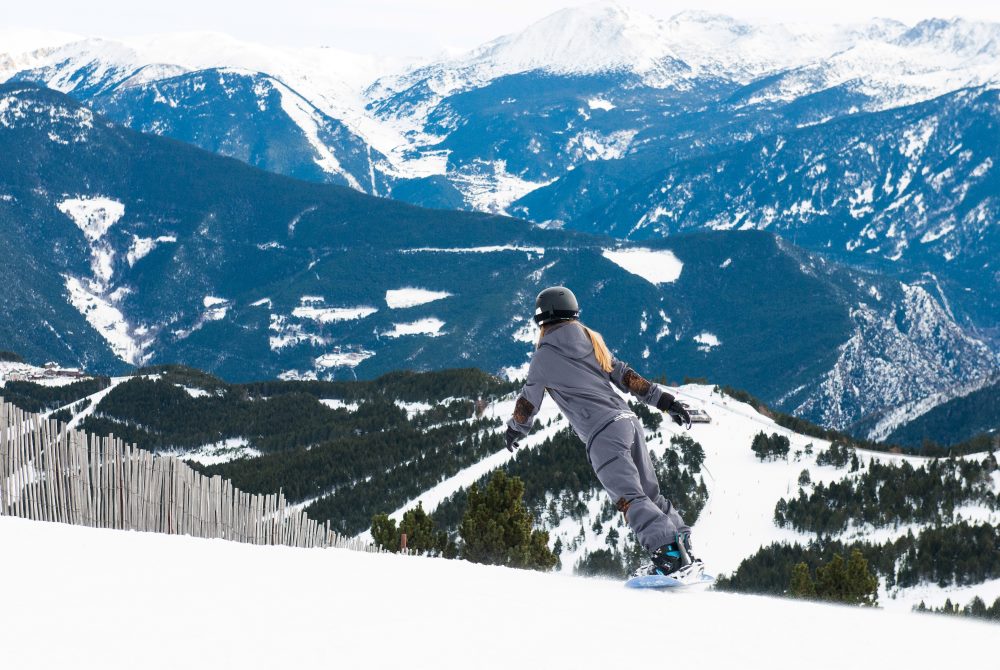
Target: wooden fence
<point>50,473</point>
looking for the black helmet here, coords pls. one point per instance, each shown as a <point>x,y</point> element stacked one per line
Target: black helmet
<point>556,303</point>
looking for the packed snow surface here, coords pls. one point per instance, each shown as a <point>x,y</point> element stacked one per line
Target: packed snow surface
<point>263,607</point>
<point>411,297</point>
<point>657,266</point>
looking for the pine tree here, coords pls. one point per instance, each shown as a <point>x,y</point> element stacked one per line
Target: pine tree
<point>421,535</point>
<point>862,585</point>
<point>846,582</point>
<point>497,528</point>
<point>831,580</point>
<point>692,452</point>
<point>384,532</point>
<point>802,585</point>
<point>760,445</point>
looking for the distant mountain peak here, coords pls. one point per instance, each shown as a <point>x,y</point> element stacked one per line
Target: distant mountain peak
<point>599,37</point>
<point>957,36</point>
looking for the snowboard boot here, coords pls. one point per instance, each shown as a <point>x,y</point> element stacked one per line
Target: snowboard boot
<point>666,560</point>
<point>674,558</point>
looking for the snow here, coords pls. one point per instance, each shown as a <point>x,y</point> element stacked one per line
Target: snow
<point>513,372</point>
<point>217,453</point>
<point>600,103</point>
<point>539,251</point>
<point>402,298</point>
<point>343,359</point>
<point>213,301</point>
<point>591,145</point>
<point>414,408</point>
<point>739,516</point>
<point>896,359</point>
<point>336,403</point>
<point>142,246</point>
<point>93,215</point>
<point>107,320</point>
<point>433,497</point>
<point>331,314</point>
<point>884,60</point>
<point>902,414</point>
<point>665,328</point>
<point>310,120</point>
<point>215,310</point>
<point>429,326</point>
<point>141,584</point>
<point>27,372</point>
<point>935,596</point>
<point>599,37</point>
<point>527,333</point>
<point>288,334</point>
<point>706,341</point>
<point>657,266</point>
<point>96,398</point>
<point>487,186</point>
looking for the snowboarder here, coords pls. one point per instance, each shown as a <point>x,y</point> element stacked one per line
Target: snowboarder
<point>574,365</point>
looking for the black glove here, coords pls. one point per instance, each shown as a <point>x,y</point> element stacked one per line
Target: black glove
<point>513,437</point>
<point>674,409</point>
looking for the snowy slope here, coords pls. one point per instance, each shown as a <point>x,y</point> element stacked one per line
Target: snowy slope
<point>739,516</point>
<point>215,604</point>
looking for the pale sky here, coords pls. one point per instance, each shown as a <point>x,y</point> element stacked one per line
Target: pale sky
<point>420,28</point>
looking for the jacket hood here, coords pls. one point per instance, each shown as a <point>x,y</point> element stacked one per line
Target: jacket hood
<point>569,339</point>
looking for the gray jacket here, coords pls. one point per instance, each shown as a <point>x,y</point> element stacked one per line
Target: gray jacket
<point>565,366</point>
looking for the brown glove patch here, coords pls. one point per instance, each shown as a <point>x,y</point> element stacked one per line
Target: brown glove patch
<point>635,383</point>
<point>622,506</point>
<point>523,409</point>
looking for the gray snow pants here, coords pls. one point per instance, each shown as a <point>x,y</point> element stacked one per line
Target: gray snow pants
<point>621,461</point>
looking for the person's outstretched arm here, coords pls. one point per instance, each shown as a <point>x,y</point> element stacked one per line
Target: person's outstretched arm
<point>528,401</point>
<point>630,381</point>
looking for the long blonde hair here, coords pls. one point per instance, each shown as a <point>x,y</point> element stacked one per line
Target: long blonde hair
<point>601,352</point>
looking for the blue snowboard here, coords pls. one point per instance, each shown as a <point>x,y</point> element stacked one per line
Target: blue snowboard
<point>664,582</point>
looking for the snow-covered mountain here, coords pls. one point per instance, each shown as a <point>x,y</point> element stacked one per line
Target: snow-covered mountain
<point>149,82</point>
<point>128,249</point>
<point>650,70</point>
<point>604,120</point>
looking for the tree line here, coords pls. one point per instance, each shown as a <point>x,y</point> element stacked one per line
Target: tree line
<point>960,554</point>
<point>892,494</point>
<point>36,398</point>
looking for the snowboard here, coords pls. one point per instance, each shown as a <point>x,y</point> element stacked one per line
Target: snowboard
<point>669,582</point>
